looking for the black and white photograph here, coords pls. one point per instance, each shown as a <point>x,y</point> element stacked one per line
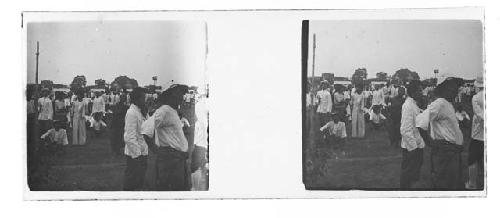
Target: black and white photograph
<point>393,105</point>
<point>117,105</point>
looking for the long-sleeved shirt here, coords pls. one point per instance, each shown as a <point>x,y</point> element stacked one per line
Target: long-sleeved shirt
<point>410,136</point>
<point>45,108</point>
<point>378,97</point>
<point>57,136</point>
<point>310,101</point>
<point>478,119</point>
<point>201,125</point>
<point>337,129</point>
<point>422,120</point>
<point>443,122</point>
<point>135,145</point>
<point>325,101</point>
<point>393,91</point>
<point>98,105</point>
<point>168,128</point>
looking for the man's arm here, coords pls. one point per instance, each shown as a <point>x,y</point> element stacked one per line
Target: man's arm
<point>406,128</point>
<point>130,135</point>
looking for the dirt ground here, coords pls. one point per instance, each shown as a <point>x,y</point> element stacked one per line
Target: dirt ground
<point>368,164</point>
<point>92,167</point>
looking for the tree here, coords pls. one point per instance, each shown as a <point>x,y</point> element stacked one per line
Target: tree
<point>405,75</point>
<point>124,82</point>
<point>429,82</point>
<point>48,84</point>
<point>381,76</point>
<point>100,83</point>
<point>359,75</point>
<point>78,83</point>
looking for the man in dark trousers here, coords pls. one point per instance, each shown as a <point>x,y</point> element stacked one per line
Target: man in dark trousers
<point>171,162</point>
<point>447,138</point>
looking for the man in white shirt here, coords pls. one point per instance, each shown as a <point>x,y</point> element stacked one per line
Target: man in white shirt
<point>171,162</point>
<point>136,149</point>
<point>378,97</point>
<point>199,155</point>
<point>476,147</point>
<point>336,132</point>
<point>447,136</point>
<point>45,111</point>
<point>412,143</point>
<point>98,104</point>
<point>325,103</point>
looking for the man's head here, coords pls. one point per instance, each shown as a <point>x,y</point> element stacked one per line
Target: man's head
<point>138,97</point>
<point>415,89</point>
<point>173,96</point>
<point>45,92</point>
<point>448,89</point>
<point>79,94</point>
<point>335,117</point>
<point>58,125</point>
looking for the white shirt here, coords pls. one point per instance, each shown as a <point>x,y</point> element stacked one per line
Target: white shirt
<point>376,118</point>
<point>135,145</point>
<point>410,136</point>
<point>478,119</point>
<point>443,122</point>
<point>394,92</point>
<point>105,98</point>
<point>325,101</point>
<point>337,129</point>
<point>461,116</point>
<point>45,107</point>
<point>309,101</point>
<point>201,126</point>
<point>422,120</point>
<point>98,105</point>
<point>347,95</point>
<point>378,97</point>
<point>59,137</point>
<point>168,127</point>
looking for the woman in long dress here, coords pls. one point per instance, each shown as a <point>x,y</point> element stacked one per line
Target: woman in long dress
<point>358,118</point>
<point>79,128</point>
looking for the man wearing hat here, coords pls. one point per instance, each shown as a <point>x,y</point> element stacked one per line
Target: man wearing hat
<point>171,162</point>
<point>476,147</point>
<point>446,135</point>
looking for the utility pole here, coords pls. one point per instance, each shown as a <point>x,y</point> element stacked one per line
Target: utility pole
<point>36,78</point>
<point>314,58</point>
<point>36,69</point>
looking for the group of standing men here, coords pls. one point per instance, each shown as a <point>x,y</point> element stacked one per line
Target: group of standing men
<point>416,117</point>
<point>140,122</point>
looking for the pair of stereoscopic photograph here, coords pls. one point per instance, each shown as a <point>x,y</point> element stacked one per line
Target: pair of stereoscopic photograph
<point>123,105</point>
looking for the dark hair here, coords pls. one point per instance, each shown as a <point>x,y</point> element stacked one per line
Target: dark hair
<point>414,88</point>
<point>136,94</point>
<point>174,90</point>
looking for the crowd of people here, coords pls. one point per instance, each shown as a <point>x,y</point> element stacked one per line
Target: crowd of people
<point>414,116</point>
<point>137,123</point>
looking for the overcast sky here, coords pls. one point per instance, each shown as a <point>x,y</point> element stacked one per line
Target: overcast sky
<point>453,47</point>
<point>171,50</point>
